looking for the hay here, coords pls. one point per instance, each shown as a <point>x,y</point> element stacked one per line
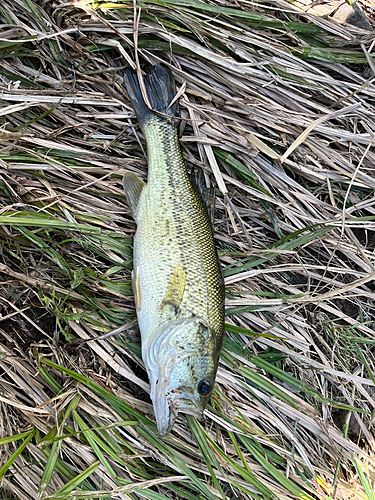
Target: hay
<point>279,108</point>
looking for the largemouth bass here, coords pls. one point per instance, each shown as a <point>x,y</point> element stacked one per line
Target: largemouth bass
<point>176,278</point>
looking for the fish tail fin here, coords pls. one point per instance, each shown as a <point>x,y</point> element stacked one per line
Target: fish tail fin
<point>160,89</point>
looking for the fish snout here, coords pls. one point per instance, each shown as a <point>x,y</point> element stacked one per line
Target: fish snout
<point>168,405</point>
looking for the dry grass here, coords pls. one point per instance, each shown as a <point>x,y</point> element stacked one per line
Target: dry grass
<point>280,115</point>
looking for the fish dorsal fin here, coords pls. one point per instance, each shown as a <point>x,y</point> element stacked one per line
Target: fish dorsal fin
<point>206,195</point>
<point>176,287</point>
<point>133,187</point>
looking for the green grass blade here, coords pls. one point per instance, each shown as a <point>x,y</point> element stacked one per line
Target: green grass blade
<point>200,437</point>
<point>96,445</point>
<point>365,483</point>
<point>4,469</point>
<point>275,473</point>
<point>15,437</point>
<point>56,446</point>
<point>74,483</point>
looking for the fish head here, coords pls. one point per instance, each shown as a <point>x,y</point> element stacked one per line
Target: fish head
<point>183,366</point>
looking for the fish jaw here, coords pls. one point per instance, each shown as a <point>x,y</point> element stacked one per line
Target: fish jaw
<point>165,418</point>
<point>167,408</point>
<point>170,400</point>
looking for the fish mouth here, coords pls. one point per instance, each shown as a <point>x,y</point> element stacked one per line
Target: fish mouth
<point>168,405</point>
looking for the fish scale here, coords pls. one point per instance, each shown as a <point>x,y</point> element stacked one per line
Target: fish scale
<point>173,228</point>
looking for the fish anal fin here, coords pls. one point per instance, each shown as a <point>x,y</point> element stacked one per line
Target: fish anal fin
<point>176,287</point>
<point>133,187</point>
<point>136,285</point>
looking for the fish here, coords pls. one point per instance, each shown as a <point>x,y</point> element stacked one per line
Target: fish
<point>177,279</point>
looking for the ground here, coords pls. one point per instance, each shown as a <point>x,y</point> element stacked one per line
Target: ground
<point>278,107</point>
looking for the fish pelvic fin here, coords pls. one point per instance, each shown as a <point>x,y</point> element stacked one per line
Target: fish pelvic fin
<point>133,187</point>
<point>136,285</point>
<point>160,88</point>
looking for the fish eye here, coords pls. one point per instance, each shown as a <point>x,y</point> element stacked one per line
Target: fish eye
<point>205,387</point>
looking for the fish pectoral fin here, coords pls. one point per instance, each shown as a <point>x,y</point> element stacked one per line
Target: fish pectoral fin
<point>176,287</point>
<point>133,187</point>
<point>136,285</point>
